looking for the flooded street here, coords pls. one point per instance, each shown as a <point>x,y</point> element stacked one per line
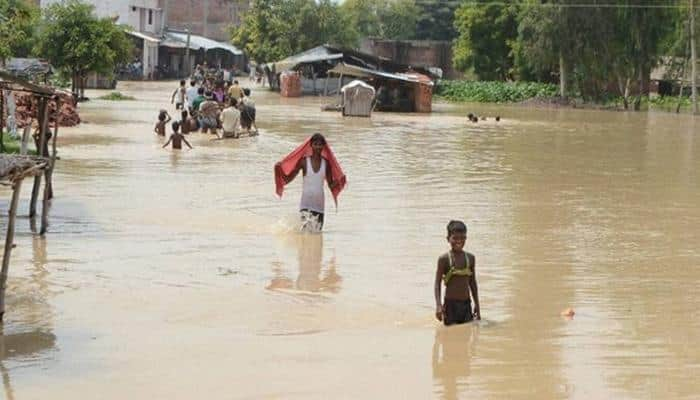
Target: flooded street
<point>178,275</point>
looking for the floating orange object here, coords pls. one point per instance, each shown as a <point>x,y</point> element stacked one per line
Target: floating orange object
<point>569,312</point>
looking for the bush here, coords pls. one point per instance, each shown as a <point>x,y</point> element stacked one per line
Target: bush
<point>12,145</point>
<point>116,96</point>
<point>494,91</point>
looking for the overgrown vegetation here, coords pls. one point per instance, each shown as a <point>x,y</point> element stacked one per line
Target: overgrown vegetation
<point>591,51</point>
<point>116,96</point>
<point>493,91</point>
<point>12,145</point>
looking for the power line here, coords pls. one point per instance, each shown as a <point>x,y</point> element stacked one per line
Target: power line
<point>556,5</point>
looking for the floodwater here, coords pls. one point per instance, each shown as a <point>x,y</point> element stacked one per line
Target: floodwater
<point>178,275</point>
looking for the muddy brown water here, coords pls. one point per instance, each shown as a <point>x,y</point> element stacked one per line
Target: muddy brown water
<point>177,275</point>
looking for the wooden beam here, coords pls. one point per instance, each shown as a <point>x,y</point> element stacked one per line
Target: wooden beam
<point>30,87</point>
<point>9,242</point>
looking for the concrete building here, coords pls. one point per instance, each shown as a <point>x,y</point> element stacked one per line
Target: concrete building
<point>145,17</point>
<point>158,30</point>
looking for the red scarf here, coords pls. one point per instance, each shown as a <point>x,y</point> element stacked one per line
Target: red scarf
<point>287,165</point>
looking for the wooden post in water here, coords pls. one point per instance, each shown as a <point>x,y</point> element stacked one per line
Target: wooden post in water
<point>48,173</point>
<point>43,127</point>
<point>53,144</point>
<point>9,241</point>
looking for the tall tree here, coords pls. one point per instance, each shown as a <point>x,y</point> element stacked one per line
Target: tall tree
<point>487,34</point>
<point>392,19</point>
<point>74,39</point>
<point>274,29</point>
<point>18,21</point>
<point>436,19</point>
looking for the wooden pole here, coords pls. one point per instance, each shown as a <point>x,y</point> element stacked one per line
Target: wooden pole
<point>57,122</point>
<point>48,173</point>
<point>693,60</point>
<point>2,119</point>
<point>44,115</point>
<point>9,241</point>
<point>25,140</point>
<point>325,86</point>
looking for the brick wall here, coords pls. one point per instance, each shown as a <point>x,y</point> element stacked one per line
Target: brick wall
<point>210,18</point>
<point>425,53</point>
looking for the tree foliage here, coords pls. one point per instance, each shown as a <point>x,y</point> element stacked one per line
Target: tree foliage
<point>72,38</point>
<point>274,29</point>
<point>18,21</point>
<point>436,19</point>
<point>486,39</point>
<point>393,19</point>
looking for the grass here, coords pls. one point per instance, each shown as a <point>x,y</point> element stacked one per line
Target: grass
<point>12,145</point>
<point>116,96</point>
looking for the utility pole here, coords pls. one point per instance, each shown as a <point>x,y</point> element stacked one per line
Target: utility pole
<point>188,65</point>
<point>693,60</point>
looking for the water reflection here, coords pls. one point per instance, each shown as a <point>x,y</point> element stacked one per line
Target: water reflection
<point>28,313</point>
<point>311,277</point>
<point>453,350</point>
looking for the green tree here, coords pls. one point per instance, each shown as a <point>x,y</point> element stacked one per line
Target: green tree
<point>274,29</point>
<point>399,19</point>
<point>393,19</point>
<point>74,39</point>
<point>436,19</point>
<point>18,21</point>
<point>595,48</point>
<point>487,34</point>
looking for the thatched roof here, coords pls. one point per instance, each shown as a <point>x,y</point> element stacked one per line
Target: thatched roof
<point>15,167</point>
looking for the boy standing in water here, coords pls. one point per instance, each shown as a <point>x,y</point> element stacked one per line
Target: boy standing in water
<point>163,119</point>
<point>317,163</point>
<point>457,269</point>
<point>179,94</point>
<point>177,138</point>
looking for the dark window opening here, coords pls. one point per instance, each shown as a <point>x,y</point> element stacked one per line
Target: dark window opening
<point>150,17</point>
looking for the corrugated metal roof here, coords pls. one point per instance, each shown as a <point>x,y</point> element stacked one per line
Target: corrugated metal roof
<point>198,42</point>
<point>320,53</point>
<point>144,36</point>
<point>353,70</point>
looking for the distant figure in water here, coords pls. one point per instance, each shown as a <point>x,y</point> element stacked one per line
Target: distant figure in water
<point>177,138</point>
<point>498,118</point>
<point>317,162</point>
<point>457,269</point>
<point>163,119</point>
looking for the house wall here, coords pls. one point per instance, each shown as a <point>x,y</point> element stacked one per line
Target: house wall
<point>134,13</point>
<point>429,53</point>
<point>209,18</point>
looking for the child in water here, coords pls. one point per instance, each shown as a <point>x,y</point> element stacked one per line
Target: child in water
<point>163,119</point>
<point>177,138</point>
<point>457,269</point>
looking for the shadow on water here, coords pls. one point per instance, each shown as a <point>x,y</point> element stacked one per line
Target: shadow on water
<point>453,350</point>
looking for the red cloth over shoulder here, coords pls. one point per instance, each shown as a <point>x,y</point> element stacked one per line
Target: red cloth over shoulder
<point>287,165</point>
